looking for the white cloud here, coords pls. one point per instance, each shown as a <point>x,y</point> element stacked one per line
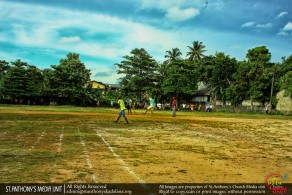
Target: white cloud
<point>286,31</point>
<point>166,4</point>
<point>253,24</point>
<point>268,25</point>
<point>71,39</point>
<point>248,24</point>
<point>176,11</point>
<point>99,68</point>
<point>282,33</point>
<point>216,5</point>
<point>35,26</point>
<point>44,29</point>
<point>155,41</point>
<point>97,50</point>
<point>176,14</point>
<point>282,14</point>
<point>288,27</point>
<point>150,4</point>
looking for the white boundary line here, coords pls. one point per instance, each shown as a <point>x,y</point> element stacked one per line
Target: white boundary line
<point>87,156</point>
<point>123,163</point>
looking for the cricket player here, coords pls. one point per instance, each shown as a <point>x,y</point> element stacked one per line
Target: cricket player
<point>151,107</point>
<point>122,112</point>
<point>173,105</point>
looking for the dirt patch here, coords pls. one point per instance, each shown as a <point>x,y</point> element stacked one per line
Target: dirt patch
<point>151,149</point>
<point>245,151</point>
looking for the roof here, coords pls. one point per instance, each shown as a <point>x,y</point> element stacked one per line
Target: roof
<point>113,86</point>
<point>93,81</point>
<point>202,92</point>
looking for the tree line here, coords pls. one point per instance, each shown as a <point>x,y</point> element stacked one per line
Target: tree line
<point>256,78</point>
<point>63,83</point>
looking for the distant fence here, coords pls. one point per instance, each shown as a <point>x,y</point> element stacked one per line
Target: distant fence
<point>284,106</point>
<point>259,109</point>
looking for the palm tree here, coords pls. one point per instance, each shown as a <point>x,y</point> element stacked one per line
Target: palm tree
<point>173,55</point>
<point>196,51</point>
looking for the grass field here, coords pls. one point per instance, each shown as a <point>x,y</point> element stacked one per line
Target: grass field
<point>71,144</point>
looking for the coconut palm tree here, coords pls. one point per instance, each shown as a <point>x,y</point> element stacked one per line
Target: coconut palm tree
<point>173,55</point>
<point>196,51</point>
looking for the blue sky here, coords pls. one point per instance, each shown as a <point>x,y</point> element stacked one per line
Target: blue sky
<point>41,32</point>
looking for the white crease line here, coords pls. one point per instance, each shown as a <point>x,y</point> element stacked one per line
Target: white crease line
<point>60,143</point>
<point>87,156</point>
<point>59,148</point>
<point>122,162</point>
<point>38,140</point>
<point>22,136</point>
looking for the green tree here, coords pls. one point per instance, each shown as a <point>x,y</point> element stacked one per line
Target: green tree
<point>111,95</point>
<point>196,51</point>
<point>4,66</point>
<point>67,80</point>
<point>238,90</point>
<point>258,75</point>
<point>286,83</point>
<point>22,81</point>
<point>284,70</point>
<point>139,73</point>
<point>179,78</point>
<point>15,84</point>
<point>92,95</point>
<point>221,77</point>
<point>173,55</point>
<point>36,81</point>
<point>204,68</point>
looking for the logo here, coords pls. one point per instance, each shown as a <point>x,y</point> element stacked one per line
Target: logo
<point>274,183</point>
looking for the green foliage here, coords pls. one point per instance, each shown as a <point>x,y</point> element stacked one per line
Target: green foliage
<point>139,70</point>
<point>233,95</point>
<point>255,79</point>
<point>284,73</point>
<point>204,68</point>
<point>196,51</point>
<point>286,65</point>
<point>92,94</point>
<point>67,79</point>
<point>4,66</point>
<point>258,75</point>
<point>173,55</point>
<point>223,69</point>
<point>15,83</point>
<point>180,78</point>
<point>238,90</point>
<point>217,73</point>
<point>22,81</point>
<point>287,83</point>
<point>177,77</point>
<point>35,81</point>
<point>260,55</point>
<point>111,94</point>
